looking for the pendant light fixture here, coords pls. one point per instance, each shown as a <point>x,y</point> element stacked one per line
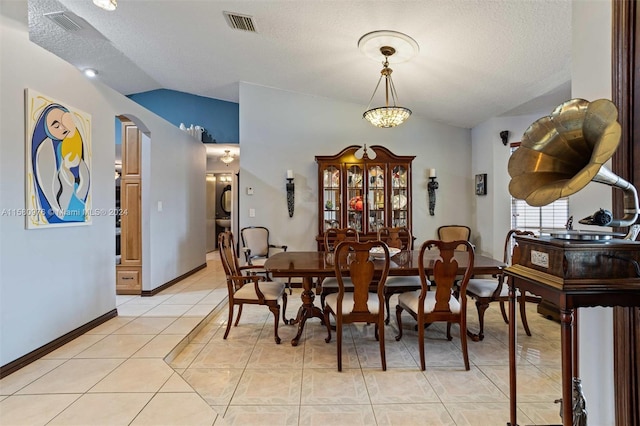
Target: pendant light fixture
<point>387,44</point>
<point>227,157</point>
<point>109,5</point>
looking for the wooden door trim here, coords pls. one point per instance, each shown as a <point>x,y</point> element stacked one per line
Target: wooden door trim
<point>626,91</point>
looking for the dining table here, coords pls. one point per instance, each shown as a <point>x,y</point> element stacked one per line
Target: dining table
<point>319,264</point>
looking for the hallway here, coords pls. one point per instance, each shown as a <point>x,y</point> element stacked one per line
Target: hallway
<point>117,374</point>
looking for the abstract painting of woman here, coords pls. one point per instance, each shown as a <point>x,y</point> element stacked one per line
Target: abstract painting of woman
<point>60,175</point>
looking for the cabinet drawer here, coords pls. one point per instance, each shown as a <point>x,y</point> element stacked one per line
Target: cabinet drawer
<point>128,281</point>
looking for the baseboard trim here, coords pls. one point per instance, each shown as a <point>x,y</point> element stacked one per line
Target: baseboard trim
<point>36,354</point>
<point>149,293</point>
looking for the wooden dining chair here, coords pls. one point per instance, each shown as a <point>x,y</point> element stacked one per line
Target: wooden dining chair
<point>333,237</point>
<point>249,289</point>
<point>397,237</point>
<point>400,238</point>
<point>355,266</point>
<point>453,233</point>
<point>257,248</point>
<point>487,290</point>
<point>427,306</point>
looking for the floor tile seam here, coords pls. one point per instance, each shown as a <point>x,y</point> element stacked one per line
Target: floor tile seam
<point>124,360</point>
<point>65,408</point>
<point>55,368</point>
<point>230,403</point>
<point>506,395</point>
<point>45,394</point>
<point>182,344</point>
<point>424,374</point>
<point>160,393</point>
<point>449,412</point>
<point>364,380</point>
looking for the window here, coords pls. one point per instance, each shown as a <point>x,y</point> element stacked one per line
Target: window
<point>535,219</point>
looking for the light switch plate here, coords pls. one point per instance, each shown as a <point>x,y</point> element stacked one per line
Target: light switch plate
<point>249,190</point>
<point>252,212</point>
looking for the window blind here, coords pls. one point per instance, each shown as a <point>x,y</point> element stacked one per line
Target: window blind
<point>535,219</point>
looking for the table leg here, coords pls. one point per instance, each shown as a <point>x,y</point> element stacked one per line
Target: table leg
<point>512,355</point>
<point>566,320</point>
<point>307,310</point>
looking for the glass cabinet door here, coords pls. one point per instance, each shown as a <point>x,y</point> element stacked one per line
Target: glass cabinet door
<point>355,197</point>
<point>331,196</point>
<point>399,196</point>
<point>375,197</point>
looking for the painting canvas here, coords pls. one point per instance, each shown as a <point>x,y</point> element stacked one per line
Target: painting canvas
<point>481,184</point>
<point>58,163</point>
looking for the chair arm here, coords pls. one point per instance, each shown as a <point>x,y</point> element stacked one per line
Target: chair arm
<point>244,279</point>
<point>498,290</point>
<point>284,248</point>
<point>247,254</point>
<point>250,267</point>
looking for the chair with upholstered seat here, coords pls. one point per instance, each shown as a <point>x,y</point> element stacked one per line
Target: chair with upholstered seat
<point>488,290</point>
<point>257,247</point>
<point>400,238</point>
<point>333,237</point>
<point>453,233</point>
<point>355,266</point>
<point>427,306</point>
<point>249,289</point>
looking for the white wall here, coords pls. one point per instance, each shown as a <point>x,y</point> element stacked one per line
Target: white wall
<point>55,280</point>
<point>492,219</point>
<point>281,130</point>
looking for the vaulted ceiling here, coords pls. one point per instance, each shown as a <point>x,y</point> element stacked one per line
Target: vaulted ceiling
<point>478,58</point>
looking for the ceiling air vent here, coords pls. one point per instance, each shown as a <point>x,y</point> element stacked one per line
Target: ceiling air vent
<point>240,22</point>
<point>66,20</point>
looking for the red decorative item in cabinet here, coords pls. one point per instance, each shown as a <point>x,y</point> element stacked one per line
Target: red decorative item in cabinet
<point>356,203</point>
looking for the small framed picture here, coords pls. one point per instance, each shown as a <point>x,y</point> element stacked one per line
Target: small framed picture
<point>481,184</point>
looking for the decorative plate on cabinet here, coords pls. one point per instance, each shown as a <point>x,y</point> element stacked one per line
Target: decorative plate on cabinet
<point>399,202</point>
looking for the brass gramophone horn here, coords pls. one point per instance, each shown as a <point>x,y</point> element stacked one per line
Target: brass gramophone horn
<point>561,153</point>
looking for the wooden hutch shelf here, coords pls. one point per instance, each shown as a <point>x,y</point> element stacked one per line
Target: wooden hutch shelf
<point>363,193</point>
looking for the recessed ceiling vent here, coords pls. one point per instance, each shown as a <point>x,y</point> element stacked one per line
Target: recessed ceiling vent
<point>66,20</point>
<point>240,22</point>
<point>72,23</point>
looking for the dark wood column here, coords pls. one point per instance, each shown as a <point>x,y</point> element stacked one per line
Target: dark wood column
<point>626,163</point>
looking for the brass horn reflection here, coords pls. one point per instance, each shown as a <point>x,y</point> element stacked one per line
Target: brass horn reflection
<point>561,153</point>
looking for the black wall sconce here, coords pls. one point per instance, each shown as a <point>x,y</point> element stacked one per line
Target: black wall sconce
<point>432,185</point>
<point>290,192</point>
<point>504,135</point>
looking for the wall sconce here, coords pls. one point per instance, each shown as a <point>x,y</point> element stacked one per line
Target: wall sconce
<point>290,192</point>
<point>504,135</point>
<point>432,185</point>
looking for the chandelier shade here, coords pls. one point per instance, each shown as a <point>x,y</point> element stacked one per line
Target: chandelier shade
<point>389,115</point>
<point>227,157</point>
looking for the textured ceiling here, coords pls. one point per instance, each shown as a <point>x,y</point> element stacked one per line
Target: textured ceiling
<point>478,59</point>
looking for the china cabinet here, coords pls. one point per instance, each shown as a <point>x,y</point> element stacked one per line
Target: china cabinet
<point>364,188</point>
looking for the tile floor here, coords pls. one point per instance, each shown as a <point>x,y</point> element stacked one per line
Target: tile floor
<point>163,361</point>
